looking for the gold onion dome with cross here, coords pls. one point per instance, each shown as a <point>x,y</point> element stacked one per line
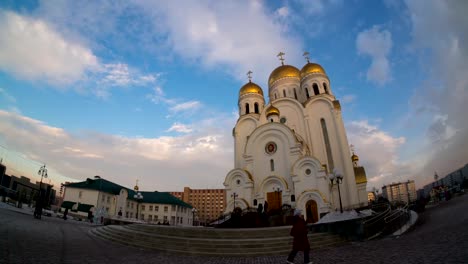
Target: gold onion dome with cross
<point>311,68</point>
<point>250,87</point>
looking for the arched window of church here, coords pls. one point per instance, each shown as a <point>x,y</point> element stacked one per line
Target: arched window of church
<point>284,93</point>
<point>307,92</point>
<point>255,202</point>
<point>316,89</point>
<point>247,108</point>
<point>271,120</point>
<point>295,94</point>
<point>256,108</point>
<point>327,144</point>
<point>275,96</point>
<point>272,165</point>
<point>325,88</point>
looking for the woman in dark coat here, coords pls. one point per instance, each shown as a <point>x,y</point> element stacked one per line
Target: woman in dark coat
<point>300,242</point>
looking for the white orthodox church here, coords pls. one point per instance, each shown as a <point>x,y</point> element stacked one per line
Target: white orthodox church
<point>286,149</point>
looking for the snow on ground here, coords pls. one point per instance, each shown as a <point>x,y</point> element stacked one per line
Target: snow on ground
<point>346,215</point>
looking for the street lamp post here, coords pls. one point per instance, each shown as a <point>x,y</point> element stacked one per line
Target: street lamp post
<point>234,195</point>
<point>139,197</point>
<point>38,210</point>
<point>193,216</point>
<point>337,177</point>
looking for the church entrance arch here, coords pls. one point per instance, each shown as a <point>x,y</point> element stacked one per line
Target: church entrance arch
<point>311,211</point>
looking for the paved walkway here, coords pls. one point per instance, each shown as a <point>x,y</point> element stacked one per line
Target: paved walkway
<point>442,237</point>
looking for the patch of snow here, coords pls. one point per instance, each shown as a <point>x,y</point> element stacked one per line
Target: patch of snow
<point>346,215</point>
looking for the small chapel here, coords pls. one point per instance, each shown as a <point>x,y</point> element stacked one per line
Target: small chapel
<point>287,150</point>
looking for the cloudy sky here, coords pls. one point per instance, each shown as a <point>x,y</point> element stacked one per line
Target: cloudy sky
<point>148,90</point>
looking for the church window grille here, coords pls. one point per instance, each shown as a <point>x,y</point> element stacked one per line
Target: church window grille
<point>325,88</point>
<point>295,94</point>
<point>293,198</point>
<point>307,92</point>
<point>316,89</point>
<point>256,108</point>
<point>327,143</point>
<point>284,93</point>
<point>247,108</point>
<point>255,202</point>
<point>272,165</point>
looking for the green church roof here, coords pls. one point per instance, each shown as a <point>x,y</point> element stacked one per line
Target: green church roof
<point>103,185</point>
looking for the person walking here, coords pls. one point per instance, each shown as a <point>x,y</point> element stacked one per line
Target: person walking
<point>65,214</point>
<point>300,242</point>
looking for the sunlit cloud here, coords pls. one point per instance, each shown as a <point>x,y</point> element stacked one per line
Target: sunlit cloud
<point>376,43</point>
<point>163,163</point>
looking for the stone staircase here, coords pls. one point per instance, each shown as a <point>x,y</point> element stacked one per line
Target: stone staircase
<point>211,241</point>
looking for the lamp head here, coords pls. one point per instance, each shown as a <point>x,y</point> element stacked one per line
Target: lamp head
<point>331,176</point>
<point>337,173</point>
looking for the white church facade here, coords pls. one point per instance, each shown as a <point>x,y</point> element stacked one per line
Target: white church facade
<point>286,149</point>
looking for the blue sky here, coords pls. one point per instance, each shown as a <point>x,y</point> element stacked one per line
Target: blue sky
<point>137,89</point>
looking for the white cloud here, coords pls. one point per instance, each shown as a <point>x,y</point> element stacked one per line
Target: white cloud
<point>376,43</point>
<point>176,106</point>
<point>185,106</point>
<point>348,98</point>
<point>220,35</point>
<point>282,11</point>
<point>162,163</point>
<point>177,127</point>
<point>30,48</point>
<point>439,36</point>
<point>216,33</point>
<point>7,96</point>
<point>378,152</point>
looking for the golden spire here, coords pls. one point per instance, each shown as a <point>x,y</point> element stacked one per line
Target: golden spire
<point>136,186</point>
<point>249,75</point>
<point>280,56</point>
<point>306,56</point>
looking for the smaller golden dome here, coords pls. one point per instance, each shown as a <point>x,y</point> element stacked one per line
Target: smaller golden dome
<point>360,175</point>
<point>251,87</point>
<point>282,72</point>
<point>354,157</point>
<point>135,188</point>
<point>271,110</point>
<point>311,68</point>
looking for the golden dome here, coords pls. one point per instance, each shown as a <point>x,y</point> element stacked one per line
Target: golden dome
<point>250,87</point>
<point>354,157</point>
<point>360,175</point>
<point>311,68</point>
<point>135,188</point>
<point>271,110</point>
<point>282,72</point>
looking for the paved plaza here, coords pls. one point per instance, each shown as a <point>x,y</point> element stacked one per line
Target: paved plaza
<point>440,237</point>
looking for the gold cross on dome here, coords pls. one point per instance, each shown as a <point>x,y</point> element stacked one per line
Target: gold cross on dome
<point>280,56</point>
<point>249,75</point>
<point>306,56</point>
